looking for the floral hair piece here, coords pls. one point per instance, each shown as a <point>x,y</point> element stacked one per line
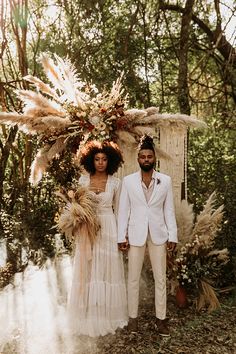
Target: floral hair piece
<point>146,142</point>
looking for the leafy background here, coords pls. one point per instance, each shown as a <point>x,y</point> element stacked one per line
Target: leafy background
<point>168,61</point>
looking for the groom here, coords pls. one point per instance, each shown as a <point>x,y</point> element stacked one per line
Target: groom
<point>146,218</point>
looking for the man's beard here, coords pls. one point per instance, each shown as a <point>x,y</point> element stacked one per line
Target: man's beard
<point>147,167</point>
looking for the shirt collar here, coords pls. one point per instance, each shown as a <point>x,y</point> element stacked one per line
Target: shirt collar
<point>154,176</point>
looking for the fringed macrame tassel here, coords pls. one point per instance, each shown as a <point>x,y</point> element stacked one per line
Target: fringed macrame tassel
<point>172,141</point>
<point>186,164</point>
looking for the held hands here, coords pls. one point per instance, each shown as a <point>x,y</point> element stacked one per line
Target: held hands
<point>123,246</point>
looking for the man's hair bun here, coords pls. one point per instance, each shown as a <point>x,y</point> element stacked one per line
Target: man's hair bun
<point>146,142</point>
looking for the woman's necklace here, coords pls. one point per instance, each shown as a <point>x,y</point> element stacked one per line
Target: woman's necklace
<point>98,185</point>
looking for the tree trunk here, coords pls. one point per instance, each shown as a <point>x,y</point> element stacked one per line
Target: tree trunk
<point>183,91</point>
<point>216,38</point>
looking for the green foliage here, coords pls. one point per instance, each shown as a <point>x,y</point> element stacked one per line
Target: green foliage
<point>102,39</point>
<point>28,231</point>
<point>212,166</point>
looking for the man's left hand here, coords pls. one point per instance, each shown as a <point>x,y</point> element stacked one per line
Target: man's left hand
<point>171,246</point>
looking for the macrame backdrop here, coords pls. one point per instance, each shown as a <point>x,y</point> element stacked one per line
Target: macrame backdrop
<point>130,165</point>
<point>173,141</point>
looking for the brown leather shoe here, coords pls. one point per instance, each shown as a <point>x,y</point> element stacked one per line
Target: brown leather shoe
<point>133,325</point>
<point>162,327</point>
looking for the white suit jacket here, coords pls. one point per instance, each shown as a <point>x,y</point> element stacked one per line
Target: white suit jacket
<point>136,216</point>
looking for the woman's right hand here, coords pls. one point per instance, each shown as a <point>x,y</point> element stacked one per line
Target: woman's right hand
<point>123,246</point>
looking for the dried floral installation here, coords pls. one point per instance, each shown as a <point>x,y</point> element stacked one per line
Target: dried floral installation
<point>68,111</point>
<point>198,264</point>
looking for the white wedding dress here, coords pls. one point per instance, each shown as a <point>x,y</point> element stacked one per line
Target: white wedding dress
<point>98,304</point>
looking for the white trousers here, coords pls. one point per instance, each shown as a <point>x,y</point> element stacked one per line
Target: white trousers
<point>157,254</point>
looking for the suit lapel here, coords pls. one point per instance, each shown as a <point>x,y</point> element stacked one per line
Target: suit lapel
<point>139,187</point>
<point>155,188</point>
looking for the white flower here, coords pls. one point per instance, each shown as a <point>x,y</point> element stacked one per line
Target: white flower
<point>94,131</point>
<point>94,88</point>
<point>94,120</point>
<point>101,126</point>
<point>81,114</point>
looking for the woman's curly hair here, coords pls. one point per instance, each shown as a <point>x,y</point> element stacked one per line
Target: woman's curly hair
<point>109,148</point>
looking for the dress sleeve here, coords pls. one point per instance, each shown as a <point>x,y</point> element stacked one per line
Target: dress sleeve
<point>84,180</point>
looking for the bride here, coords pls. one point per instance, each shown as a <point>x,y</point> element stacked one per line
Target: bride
<point>99,306</point>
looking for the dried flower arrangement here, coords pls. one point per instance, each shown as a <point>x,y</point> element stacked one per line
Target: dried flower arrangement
<point>198,264</point>
<point>79,210</point>
<point>68,112</point>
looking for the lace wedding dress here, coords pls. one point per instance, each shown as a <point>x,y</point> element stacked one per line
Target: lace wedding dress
<point>98,303</point>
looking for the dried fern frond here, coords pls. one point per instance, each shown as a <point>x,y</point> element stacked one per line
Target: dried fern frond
<point>55,124</point>
<point>115,94</point>
<point>166,119</point>
<point>126,138</point>
<point>152,110</point>
<point>52,71</point>
<point>141,130</point>
<point>221,255</point>
<point>56,148</point>
<point>135,115</point>
<point>210,204</point>
<point>70,81</point>
<point>14,119</point>
<point>185,219</point>
<point>207,297</point>
<point>178,118</point>
<point>62,196</point>
<point>43,158</point>
<point>41,86</point>
<point>208,223</point>
<point>27,124</point>
<point>34,100</point>
<point>151,119</point>
<point>39,166</point>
